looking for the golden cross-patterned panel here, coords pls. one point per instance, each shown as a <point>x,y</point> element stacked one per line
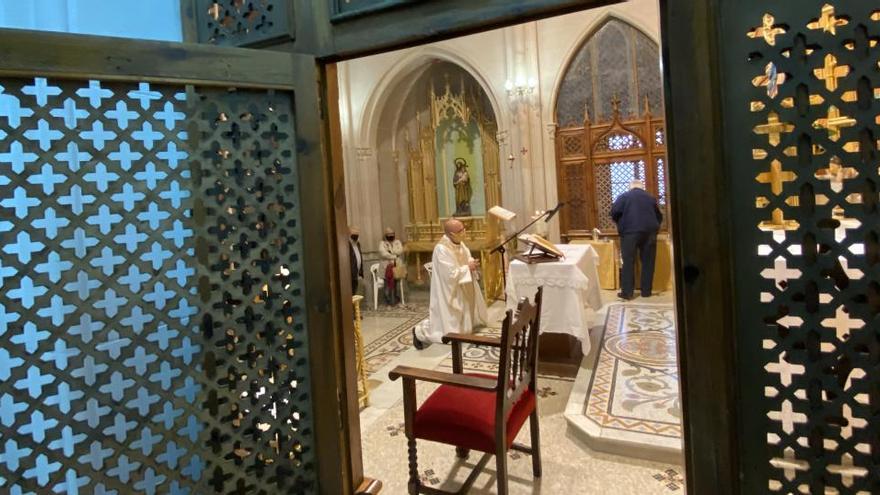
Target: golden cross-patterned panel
<point>767,30</point>
<point>805,92</point>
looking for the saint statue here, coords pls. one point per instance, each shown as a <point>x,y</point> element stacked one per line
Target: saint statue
<point>463,191</point>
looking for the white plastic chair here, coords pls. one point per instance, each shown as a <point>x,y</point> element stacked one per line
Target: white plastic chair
<point>378,283</point>
<point>429,267</point>
<point>402,283</point>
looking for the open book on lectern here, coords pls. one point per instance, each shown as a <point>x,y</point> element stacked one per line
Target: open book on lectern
<point>538,249</point>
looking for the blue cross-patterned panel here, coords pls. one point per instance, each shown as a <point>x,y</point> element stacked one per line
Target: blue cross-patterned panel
<point>109,383</point>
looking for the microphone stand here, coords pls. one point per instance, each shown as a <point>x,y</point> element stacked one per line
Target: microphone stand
<point>500,249</point>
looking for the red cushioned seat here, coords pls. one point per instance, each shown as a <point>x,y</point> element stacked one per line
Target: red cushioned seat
<point>466,417</point>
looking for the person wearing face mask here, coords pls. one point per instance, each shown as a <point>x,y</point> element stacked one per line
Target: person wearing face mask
<point>457,303</point>
<point>356,257</point>
<point>391,250</point>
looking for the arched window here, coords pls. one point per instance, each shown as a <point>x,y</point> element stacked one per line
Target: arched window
<point>610,126</point>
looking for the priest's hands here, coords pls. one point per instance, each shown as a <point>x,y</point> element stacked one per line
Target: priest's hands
<point>473,264</point>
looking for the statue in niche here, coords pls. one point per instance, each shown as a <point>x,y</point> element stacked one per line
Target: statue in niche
<point>463,191</point>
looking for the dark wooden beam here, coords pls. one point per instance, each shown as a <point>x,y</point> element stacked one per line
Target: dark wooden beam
<point>418,22</point>
<point>188,21</point>
<point>328,297</point>
<point>703,248</point>
<point>59,55</point>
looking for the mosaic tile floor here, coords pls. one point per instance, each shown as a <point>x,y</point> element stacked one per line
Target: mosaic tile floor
<point>628,400</point>
<point>570,465</point>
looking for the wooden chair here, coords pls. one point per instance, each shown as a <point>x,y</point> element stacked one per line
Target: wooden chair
<point>476,411</point>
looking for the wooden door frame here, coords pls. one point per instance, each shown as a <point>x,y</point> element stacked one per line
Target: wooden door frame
<point>26,53</point>
<point>701,231</point>
<point>700,228</point>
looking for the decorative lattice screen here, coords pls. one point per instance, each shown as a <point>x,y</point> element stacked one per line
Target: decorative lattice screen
<point>150,296</point>
<point>803,92</point>
<point>613,179</point>
<point>243,22</point>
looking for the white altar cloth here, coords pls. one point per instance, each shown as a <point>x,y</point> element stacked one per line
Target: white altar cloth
<point>570,287</point>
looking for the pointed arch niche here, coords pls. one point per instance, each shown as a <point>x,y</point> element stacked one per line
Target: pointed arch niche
<point>441,124</point>
<point>610,126</point>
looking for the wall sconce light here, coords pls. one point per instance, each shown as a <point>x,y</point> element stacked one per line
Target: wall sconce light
<point>521,87</point>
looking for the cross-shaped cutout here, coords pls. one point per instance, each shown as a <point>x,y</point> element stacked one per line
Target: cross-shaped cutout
<point>851,273</point>
<point>771,79</point>
<point>790,464</point>
<point>845,223</point>
<point>834,122</point>
<point>836,173</point>
<point>842,323</point>
<point>852,422</point>
<point>831,72</point>
<point>774,128</point>
<point>767,30</point>
<point>780,272</point>
<point>785,370</point>
<point>214,11</point>
<point>847,470</point>
<point>778,222</point>
<point>776,177</point>
<point>828,21</point>
<point>787,416</point>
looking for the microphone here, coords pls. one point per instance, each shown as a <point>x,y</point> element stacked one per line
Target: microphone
<point>554,211</point>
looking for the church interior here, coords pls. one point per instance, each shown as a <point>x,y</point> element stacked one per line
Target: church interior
<point>566,110</point>
<point>252,247</point>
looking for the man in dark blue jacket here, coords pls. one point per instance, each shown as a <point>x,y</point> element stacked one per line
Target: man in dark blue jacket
<point>638,219</point>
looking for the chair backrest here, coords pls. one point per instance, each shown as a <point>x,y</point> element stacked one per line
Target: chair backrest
<point>374,270</point>
<point>519,355</point>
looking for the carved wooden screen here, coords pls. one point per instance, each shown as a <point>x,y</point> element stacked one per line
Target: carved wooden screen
<point>595,163</point>
<point>240,22</point>
<point>802,96</point>
<point>151,311</point>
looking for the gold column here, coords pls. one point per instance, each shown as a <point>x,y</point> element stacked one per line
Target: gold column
<point>363,391</point>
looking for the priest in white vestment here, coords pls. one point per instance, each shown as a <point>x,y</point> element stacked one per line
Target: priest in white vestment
<point>457,304</point>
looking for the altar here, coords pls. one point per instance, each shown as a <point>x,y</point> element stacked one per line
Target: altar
<point>571,288</point>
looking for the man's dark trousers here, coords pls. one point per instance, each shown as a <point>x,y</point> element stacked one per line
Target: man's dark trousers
<point>646,244</point>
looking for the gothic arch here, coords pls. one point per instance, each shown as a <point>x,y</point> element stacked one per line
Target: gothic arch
<point>409,68</point>
<point>586,36</point>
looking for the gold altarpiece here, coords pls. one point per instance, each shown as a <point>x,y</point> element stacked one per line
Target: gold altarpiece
<point>425,227</point>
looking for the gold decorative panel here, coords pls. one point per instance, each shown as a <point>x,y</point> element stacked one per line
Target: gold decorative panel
<point>425,226</point>
<point>803,81</point>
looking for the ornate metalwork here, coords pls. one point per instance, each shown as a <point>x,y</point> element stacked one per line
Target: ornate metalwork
<point>805,192</point>
<point>133,360</point>
<point>243,23</point>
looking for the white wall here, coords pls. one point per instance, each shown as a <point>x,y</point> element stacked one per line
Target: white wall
<point>538,49</point>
